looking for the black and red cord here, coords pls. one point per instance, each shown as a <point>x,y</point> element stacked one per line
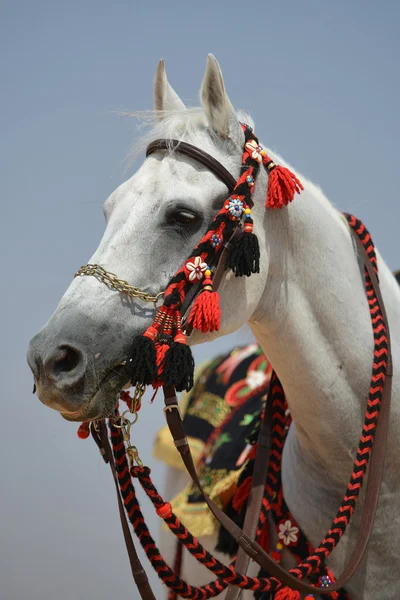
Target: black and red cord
<point>314,562</point>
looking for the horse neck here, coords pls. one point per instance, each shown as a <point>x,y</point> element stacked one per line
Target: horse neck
<point>314,326</point>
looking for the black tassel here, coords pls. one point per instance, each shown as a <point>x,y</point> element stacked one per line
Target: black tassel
<point>141,366</point>
<point>179,367</point>
<point>245,255</point>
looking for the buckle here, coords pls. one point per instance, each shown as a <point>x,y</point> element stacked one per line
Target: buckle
<point>171,407</point>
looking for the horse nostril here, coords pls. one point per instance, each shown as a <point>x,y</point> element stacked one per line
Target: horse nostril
<point>66,360</point>
<point>66,365</point>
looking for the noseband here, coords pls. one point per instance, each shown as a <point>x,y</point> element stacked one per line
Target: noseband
<point>160,356</point>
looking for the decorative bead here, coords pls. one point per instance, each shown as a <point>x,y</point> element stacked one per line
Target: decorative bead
<point>207,272</point>
<point>254,150</point>
<point>216,240</point>
<point>164,511</point>
<point>250,180</point>
<point>195,268</point>
<point>235,208</point>
<point>279,546</point>
<point>325,581</point>
<point>83,431</point>
<point>288,533</point>
<point>247,211</point>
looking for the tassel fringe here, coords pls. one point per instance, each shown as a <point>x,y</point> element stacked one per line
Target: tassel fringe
<point>206,313</point>
<point>245,255</point>
<point>179,365</point>
<point>141,366</point>
<point>286,593</point>
<point>282,185</point>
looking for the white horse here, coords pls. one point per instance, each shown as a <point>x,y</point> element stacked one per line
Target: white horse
<point>307,309</point>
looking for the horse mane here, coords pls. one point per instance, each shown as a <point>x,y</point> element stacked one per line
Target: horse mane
<point>183,124</point>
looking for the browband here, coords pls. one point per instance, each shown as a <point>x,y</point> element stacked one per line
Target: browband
<point>198,155</point>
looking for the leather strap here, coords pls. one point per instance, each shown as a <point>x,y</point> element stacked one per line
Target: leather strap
<point>256,493</point>
<point>139,574</point>
<point>205,159</point>
<point>376,467</point>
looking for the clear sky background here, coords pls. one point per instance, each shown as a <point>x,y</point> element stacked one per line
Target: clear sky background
<point>321,80</point>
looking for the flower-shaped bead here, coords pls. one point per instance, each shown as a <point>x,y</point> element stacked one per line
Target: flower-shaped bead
<point>325,581</point>
<point>254,150</point>
<point>235,208</point>
<point>216,240</point>
<point>288,533</point>
<point>196,268</point>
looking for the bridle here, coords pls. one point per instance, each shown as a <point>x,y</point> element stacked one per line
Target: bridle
<point>248,547</point>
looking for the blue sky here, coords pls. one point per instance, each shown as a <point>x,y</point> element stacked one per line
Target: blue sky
<point>321,80</point>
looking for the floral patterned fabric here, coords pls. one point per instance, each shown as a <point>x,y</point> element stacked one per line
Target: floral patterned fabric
<point>220,413</point>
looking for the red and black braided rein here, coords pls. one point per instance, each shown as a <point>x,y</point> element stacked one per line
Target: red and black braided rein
<point>314,562</point>
<point>273,501</point>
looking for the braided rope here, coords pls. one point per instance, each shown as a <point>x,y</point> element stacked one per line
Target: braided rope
<point>135,515</point>
<point>222,225</point>
<point>314,562</point>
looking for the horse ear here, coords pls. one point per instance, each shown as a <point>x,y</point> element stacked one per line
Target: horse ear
<point>165,98</point>
<point>217,106</point>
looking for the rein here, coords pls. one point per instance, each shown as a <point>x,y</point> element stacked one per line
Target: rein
<point>178,299</point>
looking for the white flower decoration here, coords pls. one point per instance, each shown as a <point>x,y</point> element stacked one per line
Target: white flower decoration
<point>255,150</point>
<point>196,268</point>
<point>288,532</point>
<point>255,378</point>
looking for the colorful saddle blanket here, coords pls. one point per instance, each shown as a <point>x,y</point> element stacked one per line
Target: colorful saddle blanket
<point>220,413</point>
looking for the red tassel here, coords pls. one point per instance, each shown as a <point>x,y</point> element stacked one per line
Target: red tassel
<point>206,313</point>
<point>242,494</point>
<point>286,593</point>
<point>83,431</point>
<point>161,351</point>
<point>282,184</point>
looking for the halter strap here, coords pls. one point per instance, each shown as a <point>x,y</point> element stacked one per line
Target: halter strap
<point>205,159</point>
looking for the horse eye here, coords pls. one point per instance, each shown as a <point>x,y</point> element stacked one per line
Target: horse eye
<point>184,217</point>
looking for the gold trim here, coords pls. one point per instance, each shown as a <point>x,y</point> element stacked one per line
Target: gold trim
<point>164,449</point>
<point>196,516</point>
<point>210,408</point>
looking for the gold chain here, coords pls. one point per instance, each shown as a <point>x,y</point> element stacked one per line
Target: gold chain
<point>120,285</point>
<point>125,425</point>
